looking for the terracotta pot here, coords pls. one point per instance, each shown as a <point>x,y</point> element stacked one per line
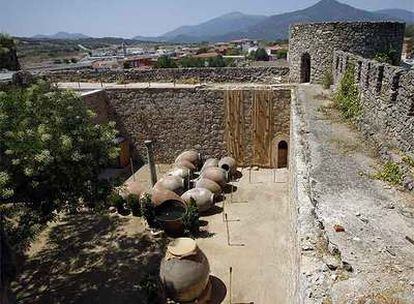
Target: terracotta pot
<point>172,183</point>
<point>203,197</point>
<point>191,155</point>
<point>169,215</point>
<point>211,162</point>
<point>160,195</point>
<point>217,175</point>
<point>184,270</point>
<point>208,184</point>
<point>185,164</point>
<point>181,172</point>
<point>229,164</point>
<point>132,187</point>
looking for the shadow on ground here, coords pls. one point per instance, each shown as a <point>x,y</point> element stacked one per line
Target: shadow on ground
<point>89,259</point>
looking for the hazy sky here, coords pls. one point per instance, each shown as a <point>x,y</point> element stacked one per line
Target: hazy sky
<point>129,18</point>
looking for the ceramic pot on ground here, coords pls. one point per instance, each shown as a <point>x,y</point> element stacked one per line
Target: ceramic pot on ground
<point>160,195</point>
<point>208,184</point>
<point>181,172</point>
<point>132,187</point>
<point>229,164</point>
<point>182,163</point>
<point>211,162</point>
<point>185,271</point>
<point>170,215</point>
<point>217,175</point>
<point>175,184</point>
<point>192,156</point>
<point>203,198</point>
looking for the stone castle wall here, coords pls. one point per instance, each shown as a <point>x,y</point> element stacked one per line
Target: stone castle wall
<point>387,99</point>
<point>180,119</point>
<point>249,74</point>
<point>320,40</point>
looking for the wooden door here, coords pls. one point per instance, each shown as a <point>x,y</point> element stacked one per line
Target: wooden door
<point>262,118</point>
<point>234,133</point>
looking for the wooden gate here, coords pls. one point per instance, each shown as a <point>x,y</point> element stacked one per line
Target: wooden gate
<point>262,121</point>
<point>233,100</point>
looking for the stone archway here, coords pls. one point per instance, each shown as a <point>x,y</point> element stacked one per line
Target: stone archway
<point>282,154</point>
<point>305,68</point>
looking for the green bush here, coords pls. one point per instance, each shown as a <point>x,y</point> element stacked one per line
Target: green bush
<point>391,173</point>
<point>134,204</point>
<point>164,62</point>
<point>191,220</point>
<point>327,80</point>
<point>191,62</point>
<point>148,210</point>
<point>347,96</point>
<point>117,201</point>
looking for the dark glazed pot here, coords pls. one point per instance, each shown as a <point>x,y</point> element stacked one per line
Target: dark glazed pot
<point>184,271</point>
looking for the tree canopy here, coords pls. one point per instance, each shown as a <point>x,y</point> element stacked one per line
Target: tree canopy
<point>51,154</point>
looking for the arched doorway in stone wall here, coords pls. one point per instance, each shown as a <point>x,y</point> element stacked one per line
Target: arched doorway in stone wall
<point>305,68</point>
<point>282,154</point>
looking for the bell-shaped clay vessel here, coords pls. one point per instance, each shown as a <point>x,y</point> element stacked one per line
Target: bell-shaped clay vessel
<point>132,187</point>
<point>203,198</point>
<point>161,195</point>
<point>181,172</point>
<point>211,162</point>
<point>208,184</point>
<point>216,174</point>
<point>229,164</point>
<point>172,183</point>
<point>182,163</point>
<point>185,271</point>
<point>191,155</point>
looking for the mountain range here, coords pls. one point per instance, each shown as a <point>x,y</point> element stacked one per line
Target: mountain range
<point>62,35</point>
<point>237,25</point>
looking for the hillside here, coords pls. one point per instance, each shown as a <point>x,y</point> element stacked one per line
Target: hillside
<point>237,25</point>
<point>62,35</point>
<point>398,14</point>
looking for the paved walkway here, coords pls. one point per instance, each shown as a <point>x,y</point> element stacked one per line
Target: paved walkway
<point>376,217</point>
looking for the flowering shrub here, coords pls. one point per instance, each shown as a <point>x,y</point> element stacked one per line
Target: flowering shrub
<point>50,156</point>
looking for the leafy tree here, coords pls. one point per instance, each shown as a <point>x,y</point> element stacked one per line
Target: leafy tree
<point>165,62</point>
<point>261,55</point>
<point>51,154</point>
<point>217,61</point>
<point>281,54</point>
<point>8,57</point>
<point>191,62</point>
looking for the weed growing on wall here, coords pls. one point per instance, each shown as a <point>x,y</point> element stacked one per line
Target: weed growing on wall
<point>327,80</point>
<point>347,96</point>
<point>391,173</point>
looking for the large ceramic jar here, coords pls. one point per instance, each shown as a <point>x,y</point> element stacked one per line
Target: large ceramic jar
<point>185,271</point>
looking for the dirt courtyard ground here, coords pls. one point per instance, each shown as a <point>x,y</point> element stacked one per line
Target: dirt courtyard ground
<point>95,258</point>
<point>257,241</point>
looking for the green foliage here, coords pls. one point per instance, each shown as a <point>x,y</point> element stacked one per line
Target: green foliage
<point>259,55</point>
<point>117,201</point>
<point>191,62</point>
<point>164,62</point>
<point>327,79</point>
<point>148,210</point>
<point>216,62</point>
<point>191,219</point>
<point>6,41</point>
<point>134,204</point>
<point>151,286</point>
<point>281,54</point>
<point>347,96</point>
<point>409,31</point>
<point>51,154</point>
<point>390,173</point>
<point>385,56</point>
<point>126,65</point>
<point>407,159</point>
